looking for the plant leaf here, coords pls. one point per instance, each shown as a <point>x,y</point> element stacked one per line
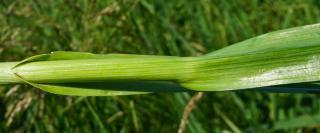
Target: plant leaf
<point>277,58</point>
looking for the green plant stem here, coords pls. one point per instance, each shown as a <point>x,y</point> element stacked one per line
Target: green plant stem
<point>96,70</point>
<point>6,74</point>
<point>277,58</point>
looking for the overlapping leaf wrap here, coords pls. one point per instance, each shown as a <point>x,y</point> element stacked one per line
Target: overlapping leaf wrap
<point>283,61</point>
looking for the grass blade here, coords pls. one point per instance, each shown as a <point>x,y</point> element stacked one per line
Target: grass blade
<point>277,58</point>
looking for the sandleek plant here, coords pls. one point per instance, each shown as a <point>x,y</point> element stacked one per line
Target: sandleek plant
<point>286,60</point>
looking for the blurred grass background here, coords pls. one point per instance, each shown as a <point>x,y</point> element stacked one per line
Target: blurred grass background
<point>177,28</point>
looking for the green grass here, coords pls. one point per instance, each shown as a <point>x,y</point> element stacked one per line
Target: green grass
<point>179,28</point>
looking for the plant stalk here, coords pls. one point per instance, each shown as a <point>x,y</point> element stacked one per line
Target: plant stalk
<point>6,74</point>
<point>97,70</point>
